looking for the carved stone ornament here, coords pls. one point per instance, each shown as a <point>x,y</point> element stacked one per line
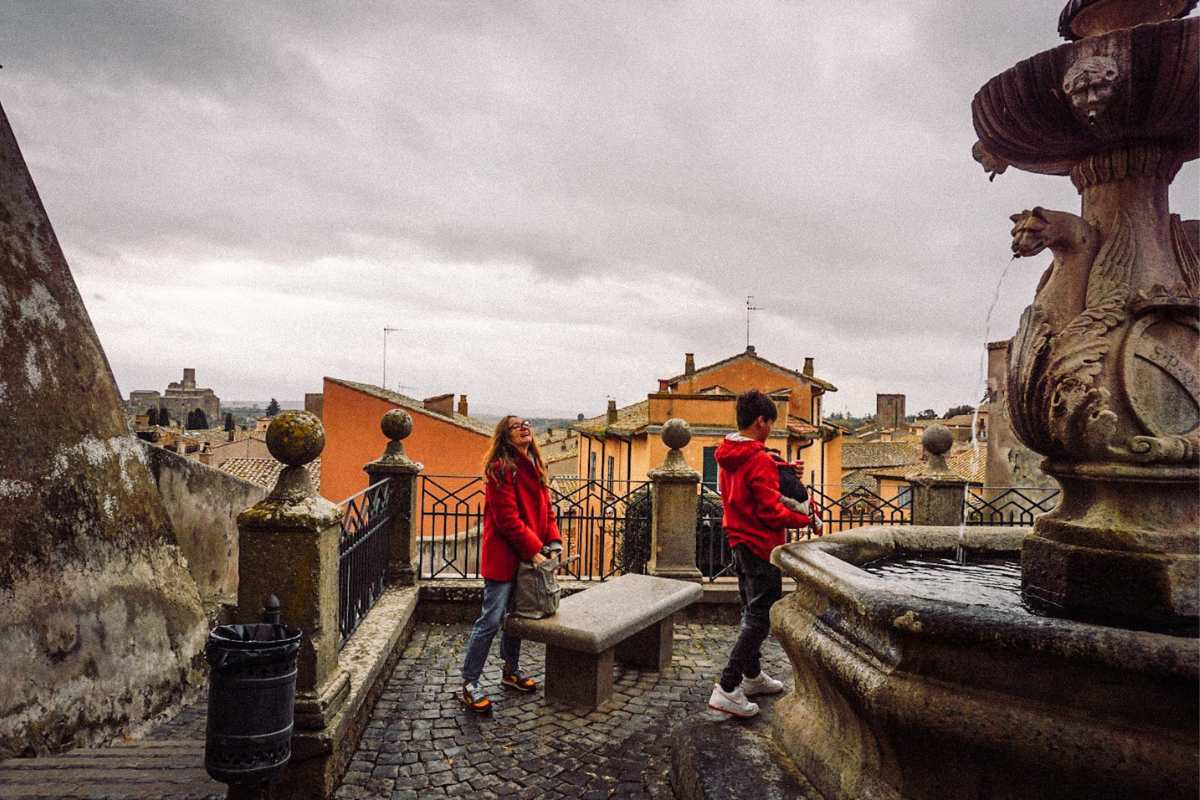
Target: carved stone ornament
<point>1091,83</point>
<point>1160,380</point>
<point>1058,405</point>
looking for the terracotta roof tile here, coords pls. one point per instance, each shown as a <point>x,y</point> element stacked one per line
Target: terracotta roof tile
<point>630,419</point>
<point>962,460</point>
<point>265,471</point>
<point>859,455</point>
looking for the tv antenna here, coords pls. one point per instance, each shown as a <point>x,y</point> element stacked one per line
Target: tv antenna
<point>750,307</point>
<point>386,331</point>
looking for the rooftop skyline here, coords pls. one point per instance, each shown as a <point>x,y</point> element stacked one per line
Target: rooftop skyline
<point>551,202</point>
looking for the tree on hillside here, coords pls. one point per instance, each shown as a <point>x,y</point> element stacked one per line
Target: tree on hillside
<point>164,418</point>
<point>928,413</point>
<point>197,419</point>
<point>956,410</point>
<point>272,407</point>
<point>229,423</point>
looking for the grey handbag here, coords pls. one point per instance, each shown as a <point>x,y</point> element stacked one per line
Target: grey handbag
<point>537,589</point>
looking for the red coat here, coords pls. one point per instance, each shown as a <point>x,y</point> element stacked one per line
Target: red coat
<point>749,483</point>
<point>517,520</point>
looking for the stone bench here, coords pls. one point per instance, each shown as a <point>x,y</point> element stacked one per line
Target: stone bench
<point>629,619</point>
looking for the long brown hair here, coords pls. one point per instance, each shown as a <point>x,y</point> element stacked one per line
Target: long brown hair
<point>501,460</point>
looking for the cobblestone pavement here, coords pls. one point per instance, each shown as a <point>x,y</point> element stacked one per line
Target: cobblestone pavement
<point>421,743</point>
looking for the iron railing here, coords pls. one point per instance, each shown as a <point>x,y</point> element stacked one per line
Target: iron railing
<point>842,510</point>
<point>363,551</point>
<point>1017,506</point>
<point>713,557</point>
<point>839,511</point>
<point>592,517</point>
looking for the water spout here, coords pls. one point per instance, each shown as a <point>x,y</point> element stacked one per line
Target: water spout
<point>960,552</point>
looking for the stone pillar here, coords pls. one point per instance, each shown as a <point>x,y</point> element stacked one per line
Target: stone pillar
<point>674,504</point>
<point>288,546</point>
<point>937,491</point>
<point>403,472</point>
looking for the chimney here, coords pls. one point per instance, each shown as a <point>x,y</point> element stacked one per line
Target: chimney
<point>462,405</point>
<point>441,404</point>
<point>664,385</point>
<point>689,363</point>
<point>231,433</point>
<point>750,349</point>
<point>808,366</point>
<point>612,412</point>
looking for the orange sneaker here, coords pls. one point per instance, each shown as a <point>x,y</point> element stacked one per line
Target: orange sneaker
<point>515,680</point>
<point>474,698</point>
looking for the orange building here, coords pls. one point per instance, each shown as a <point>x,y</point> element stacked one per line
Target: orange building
<point>624,444</point>
<point>446,440</point>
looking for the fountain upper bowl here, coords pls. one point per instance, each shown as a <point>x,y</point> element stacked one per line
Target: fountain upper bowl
<point>1137,86</point>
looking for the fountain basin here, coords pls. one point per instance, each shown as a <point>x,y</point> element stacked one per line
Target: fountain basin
<point>902,695</point>
<point>1133,86</point>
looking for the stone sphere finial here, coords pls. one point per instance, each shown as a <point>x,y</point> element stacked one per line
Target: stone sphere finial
<point>937,439</point>
<point>295,437</point>
<point>676,433</point>
<point>396,424</point>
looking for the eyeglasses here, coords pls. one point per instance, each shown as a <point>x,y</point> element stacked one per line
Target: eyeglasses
<point>516,426</point>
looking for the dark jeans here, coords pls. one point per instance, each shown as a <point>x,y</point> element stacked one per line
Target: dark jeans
<point>760,584</point>
<point>497,597</point>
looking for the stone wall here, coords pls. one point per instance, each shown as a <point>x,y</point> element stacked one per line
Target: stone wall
<point>101,624</point>
<point>203,503</point>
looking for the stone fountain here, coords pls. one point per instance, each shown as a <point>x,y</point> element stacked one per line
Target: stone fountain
<point>1091,687</point>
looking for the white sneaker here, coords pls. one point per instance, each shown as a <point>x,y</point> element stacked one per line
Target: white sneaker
<point>761,684</point>
<point>733,703</point>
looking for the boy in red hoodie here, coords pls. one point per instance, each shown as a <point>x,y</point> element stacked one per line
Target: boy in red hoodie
<point>754,521</point>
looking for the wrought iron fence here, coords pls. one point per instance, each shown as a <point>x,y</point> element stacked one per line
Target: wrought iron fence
<point>842,510</point>
<point>592,516</point>
<point>363,551</point>
<point>713,557</point>
<point>1017,506</point>
<point>594,519</point>
<point>839,511</point>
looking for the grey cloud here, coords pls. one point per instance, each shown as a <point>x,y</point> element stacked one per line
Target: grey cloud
<point>814,154</point>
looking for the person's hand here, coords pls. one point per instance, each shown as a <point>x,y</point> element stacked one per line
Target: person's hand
<point>538,558</point>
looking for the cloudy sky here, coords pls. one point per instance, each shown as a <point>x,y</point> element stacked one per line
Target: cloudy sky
<point>551,201</point>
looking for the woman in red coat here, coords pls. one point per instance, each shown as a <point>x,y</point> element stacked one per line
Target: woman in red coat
<point>518,525</point>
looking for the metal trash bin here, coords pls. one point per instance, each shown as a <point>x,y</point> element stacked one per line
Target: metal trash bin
<point>251,695</point>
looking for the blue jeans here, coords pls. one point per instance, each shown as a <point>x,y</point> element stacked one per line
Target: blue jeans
<point>496,598</point>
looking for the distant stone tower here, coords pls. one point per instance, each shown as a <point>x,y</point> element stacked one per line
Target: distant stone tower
<point>889,411</point>
<point>101,621</point>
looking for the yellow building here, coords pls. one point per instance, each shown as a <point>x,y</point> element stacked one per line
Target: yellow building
<point>624,444</point>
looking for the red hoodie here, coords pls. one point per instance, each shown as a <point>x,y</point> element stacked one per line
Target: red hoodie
<point>749,483</point>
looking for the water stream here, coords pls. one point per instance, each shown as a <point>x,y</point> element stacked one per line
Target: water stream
<point>981,387</point>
